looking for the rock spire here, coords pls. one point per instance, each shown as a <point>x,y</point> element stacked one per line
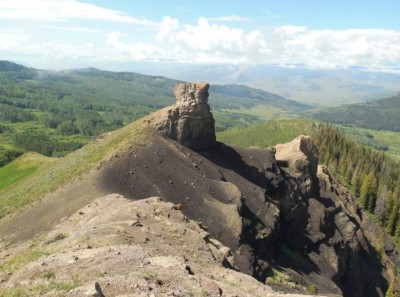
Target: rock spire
<point>189,121</point>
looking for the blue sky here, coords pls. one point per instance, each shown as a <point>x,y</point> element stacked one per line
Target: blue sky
<point>60,34</point>
<point>317,14</point>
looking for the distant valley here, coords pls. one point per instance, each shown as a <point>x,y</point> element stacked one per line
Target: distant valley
<point>373,123</point>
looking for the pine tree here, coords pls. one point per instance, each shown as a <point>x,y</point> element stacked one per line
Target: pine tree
<point>388,207</point>
<point>380,204</point>
<point>368,192</point>
<point>394,214</point>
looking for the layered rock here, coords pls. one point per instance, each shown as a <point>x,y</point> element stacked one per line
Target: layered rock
<point>189,121</point>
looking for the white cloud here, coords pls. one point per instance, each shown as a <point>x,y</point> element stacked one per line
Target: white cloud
<point>11,40</point>
<point>207,42</point>
<point>135,51</point>
<point>329,48</point>
<point>228,18</point>
<point>72,29</point>
<point>62,10</point>
<point>7,42</point>
<point>168,25</point>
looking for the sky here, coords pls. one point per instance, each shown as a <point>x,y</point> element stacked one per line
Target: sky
<point>64,34</point>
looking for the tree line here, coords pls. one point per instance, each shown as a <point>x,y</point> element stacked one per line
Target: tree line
<point>373,176</point>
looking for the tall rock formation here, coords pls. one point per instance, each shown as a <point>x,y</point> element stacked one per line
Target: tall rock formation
<point>189,121</point>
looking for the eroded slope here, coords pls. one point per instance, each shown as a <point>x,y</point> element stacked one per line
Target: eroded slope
<point>130,248</point>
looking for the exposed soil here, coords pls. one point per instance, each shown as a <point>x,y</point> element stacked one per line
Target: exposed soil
<point>210,192</point>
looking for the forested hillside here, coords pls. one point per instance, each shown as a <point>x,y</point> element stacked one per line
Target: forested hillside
<point>54,113</point>
<point>373,176</point>
<point>381,114</point>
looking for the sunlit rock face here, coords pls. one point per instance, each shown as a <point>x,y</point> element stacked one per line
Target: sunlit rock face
<point>189,121</point>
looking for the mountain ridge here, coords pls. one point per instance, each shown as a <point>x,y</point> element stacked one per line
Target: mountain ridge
<point>236,90</point>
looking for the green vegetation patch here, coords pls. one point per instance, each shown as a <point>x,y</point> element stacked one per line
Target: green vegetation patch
<point>292,255</point>
<point>266,134</point>
<point>312,289</point>
<point>276,277</point>
<point>19,169</point>
<point>23,258</point>
<point>391,140</point>
<point>8,155</point>
<point>41,289</point>
<point>228,119</point>
<point>57,237</point>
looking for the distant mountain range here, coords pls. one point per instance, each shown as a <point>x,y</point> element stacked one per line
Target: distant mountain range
<point>316,86</point>
<point>136,87</point>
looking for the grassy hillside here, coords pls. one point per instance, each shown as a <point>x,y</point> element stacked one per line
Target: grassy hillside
<point>268,133</point>
<point>54,113</point>
<point>381,114</point>
<point>387,141</point>
<point>31,176</point>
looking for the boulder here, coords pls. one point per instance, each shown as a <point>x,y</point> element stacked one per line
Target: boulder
<point>189,121</point>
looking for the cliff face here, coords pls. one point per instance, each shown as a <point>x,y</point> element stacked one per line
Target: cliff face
<point>275,208</point>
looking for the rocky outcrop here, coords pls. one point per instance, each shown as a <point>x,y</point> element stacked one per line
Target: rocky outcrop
<point>273,209</point>
<point>299,160</point>
<point>164,254</point>
<point>321,219</point>
<point>189,121</point>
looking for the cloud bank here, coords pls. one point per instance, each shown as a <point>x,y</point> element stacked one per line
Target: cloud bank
<point>209,40</point>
